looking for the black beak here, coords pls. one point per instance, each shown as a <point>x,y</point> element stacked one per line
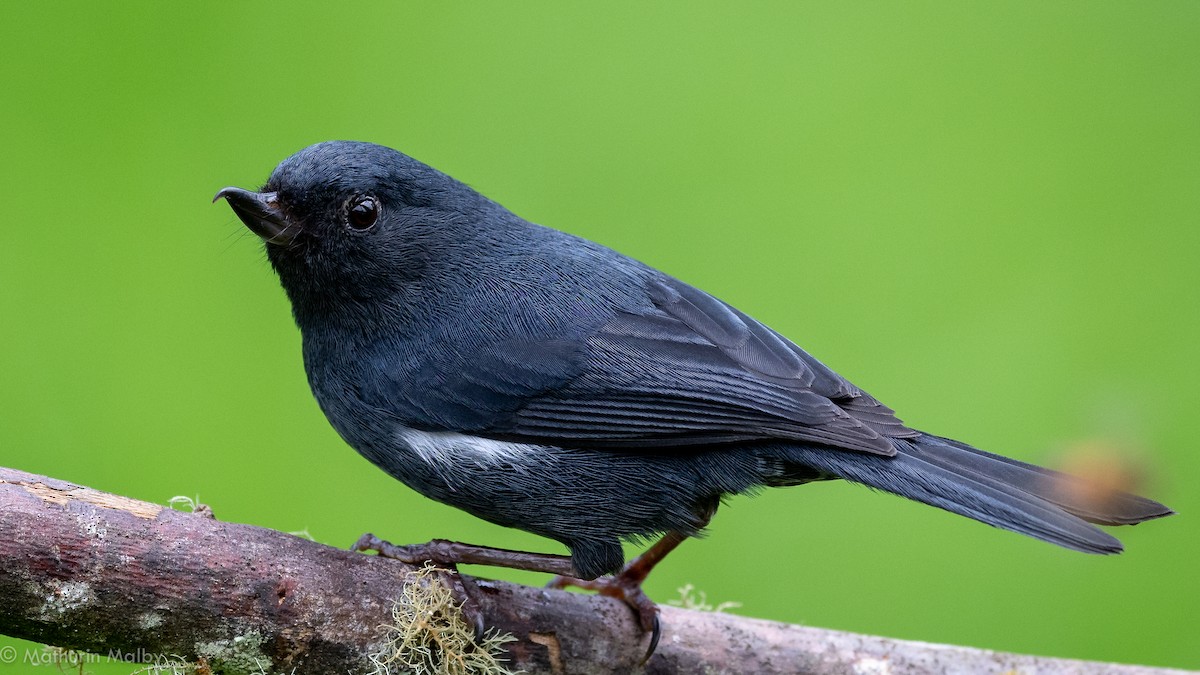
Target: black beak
<point>260,212</point>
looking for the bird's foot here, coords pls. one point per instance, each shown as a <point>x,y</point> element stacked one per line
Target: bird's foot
<point>437,551</point>
<point>462,588</point>
<point>625,586</point>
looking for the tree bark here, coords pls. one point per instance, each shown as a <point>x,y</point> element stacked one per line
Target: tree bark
<point>87,570</point>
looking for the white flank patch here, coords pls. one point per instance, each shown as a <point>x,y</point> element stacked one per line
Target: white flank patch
<point>446,447</point>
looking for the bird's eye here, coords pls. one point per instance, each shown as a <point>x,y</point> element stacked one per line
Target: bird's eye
<point>362,212</point>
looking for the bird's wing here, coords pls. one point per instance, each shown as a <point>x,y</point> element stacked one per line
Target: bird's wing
<point>689,371</point>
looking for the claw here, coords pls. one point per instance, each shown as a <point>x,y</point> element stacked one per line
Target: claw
<point>626,587</point>
<point>655,634</point>
<point>466,593</point>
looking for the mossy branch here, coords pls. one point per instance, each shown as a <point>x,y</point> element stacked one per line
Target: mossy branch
<point>86,570</point>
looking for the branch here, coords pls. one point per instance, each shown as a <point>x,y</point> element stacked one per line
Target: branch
<point>91,571</point>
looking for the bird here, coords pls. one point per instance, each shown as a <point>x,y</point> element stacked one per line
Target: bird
<point>544,382</point>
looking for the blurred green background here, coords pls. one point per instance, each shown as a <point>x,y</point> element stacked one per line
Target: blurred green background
<point>993,210</point>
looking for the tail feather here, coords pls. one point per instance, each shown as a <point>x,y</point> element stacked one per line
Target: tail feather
<point>1118,508</point>
<point>989,488</point>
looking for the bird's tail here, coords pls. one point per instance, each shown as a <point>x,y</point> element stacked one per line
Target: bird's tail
<point>996,490</point>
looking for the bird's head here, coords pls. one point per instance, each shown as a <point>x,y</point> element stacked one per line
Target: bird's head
<point>347,222</point>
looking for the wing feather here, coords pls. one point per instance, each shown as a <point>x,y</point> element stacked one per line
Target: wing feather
<point>688,370</point>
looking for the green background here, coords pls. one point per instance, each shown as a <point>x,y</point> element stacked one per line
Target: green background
<point>986,214</point>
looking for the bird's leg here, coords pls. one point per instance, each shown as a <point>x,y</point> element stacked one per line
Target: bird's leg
<point>447,553</point>
<point>626,585</point>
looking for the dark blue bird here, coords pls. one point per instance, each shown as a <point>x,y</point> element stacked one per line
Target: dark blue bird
<point>544,382</point>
